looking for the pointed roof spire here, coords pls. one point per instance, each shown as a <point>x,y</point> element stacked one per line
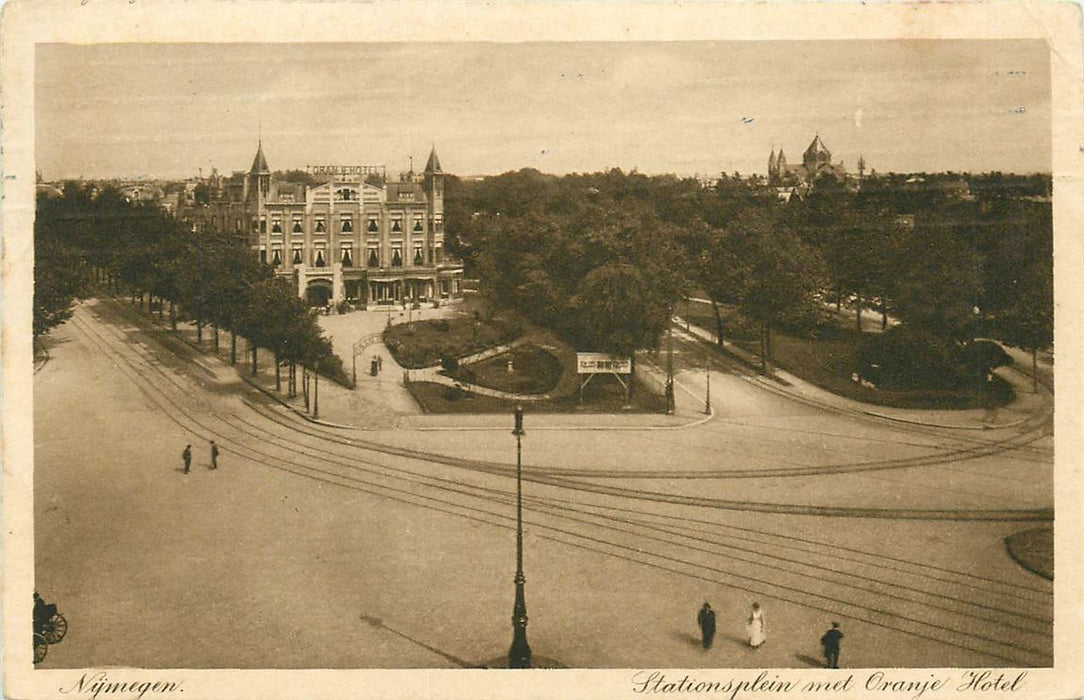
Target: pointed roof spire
<point>259,163</point>
<point>433,166</point>
<point>817,146</point>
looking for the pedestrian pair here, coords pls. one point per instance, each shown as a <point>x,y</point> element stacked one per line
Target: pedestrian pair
<point>187,457</point>
<point>755,626</point>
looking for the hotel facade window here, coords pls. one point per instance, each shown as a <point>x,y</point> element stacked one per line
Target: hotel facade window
<point>347,225</point>
<point>320,261</point>
<point>297,224</point>
<point>373,226</point>
<point>320,226</point>
<point>345,258</point>
<point>276,257</point>
<point>397,256</point>
<point>418,259</point>
<point>418,224</point>
<point>297,255</point>
<point>276,225</point>
<point>263,223</point>
<point>396,223</point>
<point>374,256</point>
<point>263,255</point>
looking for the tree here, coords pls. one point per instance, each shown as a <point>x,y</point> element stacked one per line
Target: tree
<point>618,310</point>
<point>780,276</point>
<point>56,284</point>
<point>941,284</point>
<point>1029,321</point>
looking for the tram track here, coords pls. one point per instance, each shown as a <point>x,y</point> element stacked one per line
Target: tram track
<point>475,501</point>
<point>950,455</point>
<point>559,479</point>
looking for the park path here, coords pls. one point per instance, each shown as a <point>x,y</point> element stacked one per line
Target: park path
<point>1027,405</point>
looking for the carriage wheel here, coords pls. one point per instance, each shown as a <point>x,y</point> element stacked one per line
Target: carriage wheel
<point>41,648</point>
<point>55,629</point>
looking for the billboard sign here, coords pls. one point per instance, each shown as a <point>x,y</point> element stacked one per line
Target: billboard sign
<point>598,362</point>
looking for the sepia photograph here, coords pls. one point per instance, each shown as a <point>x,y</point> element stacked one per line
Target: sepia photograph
<point>720,365</point>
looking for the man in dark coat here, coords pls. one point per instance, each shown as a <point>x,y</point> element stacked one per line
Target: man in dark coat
<point>214,455</point>
<point>706,619</point>
<point>187,456</point>
<point>830,642</point>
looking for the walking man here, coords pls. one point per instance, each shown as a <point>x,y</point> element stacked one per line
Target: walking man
<point>706,619</point>
<point>830,642</point>
<point>214,455</point>
<point>187,456</point>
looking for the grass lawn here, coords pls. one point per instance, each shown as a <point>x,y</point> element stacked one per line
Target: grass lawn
<point>599,397</point>
<point>422,343</point>
<point>827,357</point>
<point>535,371</point>
<point>1033,550</point>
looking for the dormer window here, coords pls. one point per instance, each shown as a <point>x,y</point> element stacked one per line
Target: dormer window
<point>320,227</point>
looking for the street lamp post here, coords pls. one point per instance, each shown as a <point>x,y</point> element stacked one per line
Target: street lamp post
<point>707,394</point>
<point>670,404</point>
<point>315,393</point>
<point>980,376</point>
<point>519,656</point>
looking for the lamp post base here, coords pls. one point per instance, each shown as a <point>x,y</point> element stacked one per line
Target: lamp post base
<point>519,656</point>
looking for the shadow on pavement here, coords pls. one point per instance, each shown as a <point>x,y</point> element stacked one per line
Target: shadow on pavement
<point>689,639</point>
<point>810,661</point>
<point>743,642</point>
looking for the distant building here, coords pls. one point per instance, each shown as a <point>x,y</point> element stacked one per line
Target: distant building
<point>353,237</point>
<point>955,188</point>
<point>816,166</point>
<point>141,192</point>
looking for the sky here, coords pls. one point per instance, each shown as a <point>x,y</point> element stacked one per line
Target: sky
<point>688,107</point>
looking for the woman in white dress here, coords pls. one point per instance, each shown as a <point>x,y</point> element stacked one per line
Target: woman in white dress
<point>756,627</point>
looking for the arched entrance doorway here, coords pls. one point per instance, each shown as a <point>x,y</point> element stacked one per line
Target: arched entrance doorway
<point>318,292</point>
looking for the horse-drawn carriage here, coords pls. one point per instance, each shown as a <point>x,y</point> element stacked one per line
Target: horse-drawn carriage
<point>49,627</point>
